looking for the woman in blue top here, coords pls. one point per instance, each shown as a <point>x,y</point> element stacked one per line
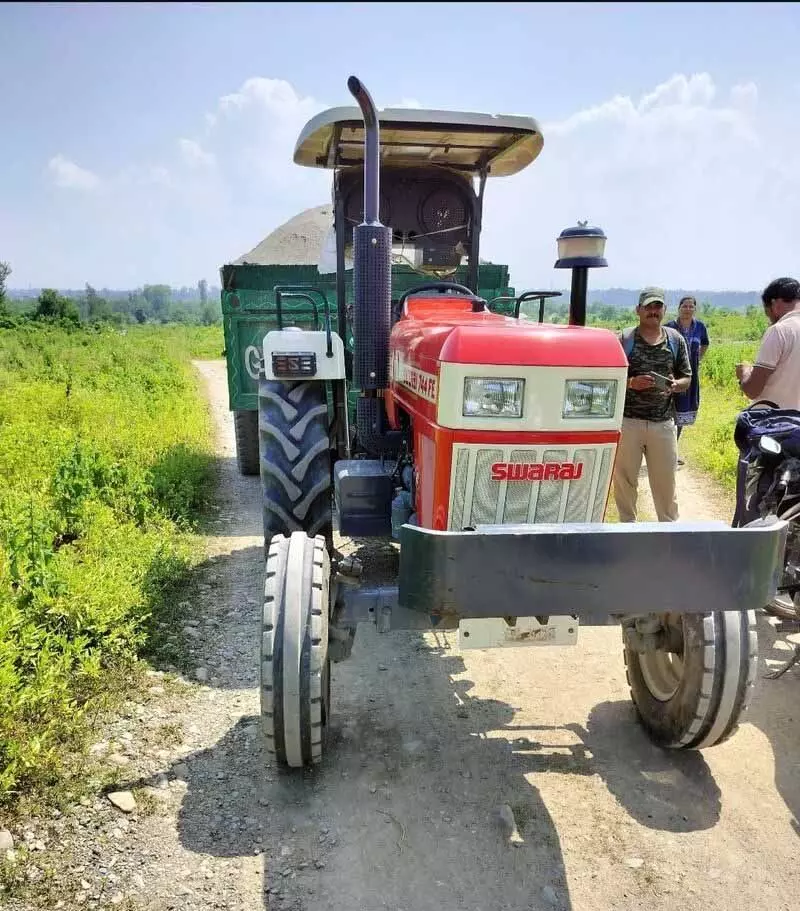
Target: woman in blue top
<point>694,332</point>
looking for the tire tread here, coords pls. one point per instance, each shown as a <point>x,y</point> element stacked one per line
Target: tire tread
<point>314,620</point>
<point>295,459</point>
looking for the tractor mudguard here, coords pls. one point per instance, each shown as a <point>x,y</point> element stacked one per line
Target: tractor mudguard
<point>596,572</point>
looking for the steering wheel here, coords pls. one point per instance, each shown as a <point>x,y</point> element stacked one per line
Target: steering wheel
<point>478,303</point>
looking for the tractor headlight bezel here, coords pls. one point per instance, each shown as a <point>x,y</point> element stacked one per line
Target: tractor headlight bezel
<point>493,397</point>
<point>590,399</point>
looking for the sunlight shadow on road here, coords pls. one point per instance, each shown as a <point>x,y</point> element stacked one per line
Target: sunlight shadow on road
<point>403,812</point>
<point>665,790</point>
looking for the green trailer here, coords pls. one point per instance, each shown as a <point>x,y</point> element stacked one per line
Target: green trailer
<point>251,293</point>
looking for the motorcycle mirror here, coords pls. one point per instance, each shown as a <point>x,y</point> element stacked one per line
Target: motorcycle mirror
<point>770,445</point>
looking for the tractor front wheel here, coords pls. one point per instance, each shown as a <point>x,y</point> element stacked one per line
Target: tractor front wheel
<point>691,691</point>
<point>295,665</point>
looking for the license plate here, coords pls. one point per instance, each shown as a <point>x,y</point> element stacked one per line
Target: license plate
<point>494,632</point>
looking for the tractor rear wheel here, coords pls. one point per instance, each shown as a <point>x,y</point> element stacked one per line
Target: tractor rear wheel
<point>245,424</point>
<point>692,692</point>
<point>295,458</point>
<point>295,665</point>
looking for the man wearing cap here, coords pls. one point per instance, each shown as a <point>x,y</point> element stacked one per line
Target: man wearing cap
<point>648,424</point>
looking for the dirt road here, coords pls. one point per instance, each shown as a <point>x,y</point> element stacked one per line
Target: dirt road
<point>427,746</point>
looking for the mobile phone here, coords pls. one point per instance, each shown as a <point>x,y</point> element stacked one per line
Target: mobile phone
<point>662,382</point>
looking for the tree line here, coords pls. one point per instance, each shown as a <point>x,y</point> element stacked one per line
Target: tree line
<point>746,324</point>
<point>150,304</point>
<point>161,304</point>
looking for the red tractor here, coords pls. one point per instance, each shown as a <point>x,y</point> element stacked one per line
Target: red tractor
<point>485,444</point>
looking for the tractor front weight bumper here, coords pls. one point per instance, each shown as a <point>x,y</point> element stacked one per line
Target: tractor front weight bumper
<point>596,573</point>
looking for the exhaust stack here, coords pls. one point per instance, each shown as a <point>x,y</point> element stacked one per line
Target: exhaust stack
<point>372,267</point>
<point>372,293</point>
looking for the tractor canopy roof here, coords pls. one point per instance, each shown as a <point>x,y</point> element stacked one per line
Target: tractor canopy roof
<point>471,143</point>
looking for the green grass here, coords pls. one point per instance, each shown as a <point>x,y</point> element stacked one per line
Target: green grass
<point>106,458</point>
<point>204,342</point>
<point>708,443</point>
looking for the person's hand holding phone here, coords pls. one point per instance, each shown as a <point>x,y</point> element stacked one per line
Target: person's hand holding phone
<point>641,383</point>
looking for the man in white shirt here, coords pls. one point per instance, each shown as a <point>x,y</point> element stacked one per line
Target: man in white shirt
<point>775,377</point>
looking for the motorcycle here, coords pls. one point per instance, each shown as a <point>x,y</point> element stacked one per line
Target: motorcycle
<point>768,485</point>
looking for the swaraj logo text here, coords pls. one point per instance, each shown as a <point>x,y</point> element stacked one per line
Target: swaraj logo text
<point>537,471</point>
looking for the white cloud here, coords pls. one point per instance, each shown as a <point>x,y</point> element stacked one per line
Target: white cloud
<point>194,155</point>
<point>684,180</point>
<point>158,175</point>
<point>405,103</point>
<point>207,200</point>
<point>252,132</point>
<point>67,174</point>
<point>695,91</point>
<point>745,96</point>
<point>274,95</point>
<point>255,130</point>
<point>678,102</point>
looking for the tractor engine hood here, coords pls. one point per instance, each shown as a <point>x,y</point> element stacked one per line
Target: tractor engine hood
<point>486,338</point>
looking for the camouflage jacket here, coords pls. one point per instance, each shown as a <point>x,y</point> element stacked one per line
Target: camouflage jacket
<point>652,404</point>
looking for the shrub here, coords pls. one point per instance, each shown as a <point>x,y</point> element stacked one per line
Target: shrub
<point>106,460</point>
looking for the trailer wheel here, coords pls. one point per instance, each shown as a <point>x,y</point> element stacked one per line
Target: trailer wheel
<point>693,692</point>
<point>295,458</point>
<point>245,424</point>
<point>295,666</point>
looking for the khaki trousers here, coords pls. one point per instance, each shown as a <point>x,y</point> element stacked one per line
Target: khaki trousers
<point>657,441</point>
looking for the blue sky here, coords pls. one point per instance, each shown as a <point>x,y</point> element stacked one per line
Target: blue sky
<point>152,143</point>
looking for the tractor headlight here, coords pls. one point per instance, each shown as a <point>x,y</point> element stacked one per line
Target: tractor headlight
<point>590,398</point>
<point>492,397</point>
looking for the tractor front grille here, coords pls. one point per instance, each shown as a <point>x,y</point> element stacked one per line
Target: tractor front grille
<point>477,499</point>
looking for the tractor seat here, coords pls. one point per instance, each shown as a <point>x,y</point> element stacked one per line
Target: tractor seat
<point>440,305</point>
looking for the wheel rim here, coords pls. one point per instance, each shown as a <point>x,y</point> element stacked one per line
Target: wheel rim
<point>785,607</point>
<point>662,670</point>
